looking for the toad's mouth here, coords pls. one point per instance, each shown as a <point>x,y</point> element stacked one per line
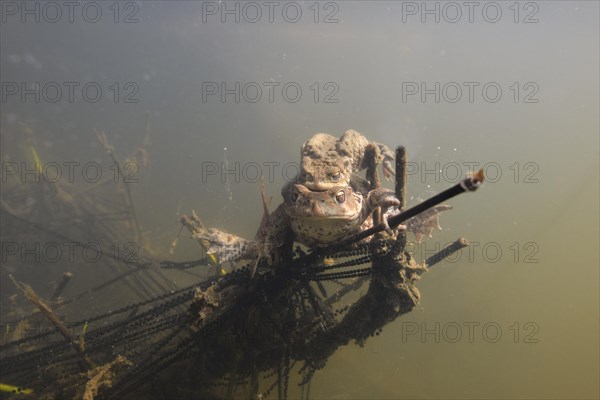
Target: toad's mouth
<point>313,217</point>
<point>320,186</point>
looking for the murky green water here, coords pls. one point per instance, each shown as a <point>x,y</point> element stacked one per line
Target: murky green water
<point>510,86</point>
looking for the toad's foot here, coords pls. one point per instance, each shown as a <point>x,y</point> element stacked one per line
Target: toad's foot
<point>226,247</point>
<point>425,223</point>
<point>386,225</point>
<point>387,160</point>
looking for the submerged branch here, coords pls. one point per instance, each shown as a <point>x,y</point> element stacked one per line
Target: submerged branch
<point>447,251</point>
<point>52,317</point>
<point>110,150</point>
<point>468,184</point>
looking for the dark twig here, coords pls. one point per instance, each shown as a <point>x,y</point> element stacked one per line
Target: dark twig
<point>61,285</point>
<point>468,184</point>
<point>401,176</point>
<point>185,264</point>
<point>110,150</point>
<point>447,251</point>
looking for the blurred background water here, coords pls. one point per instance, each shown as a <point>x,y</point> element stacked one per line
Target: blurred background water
<point>529,289</point>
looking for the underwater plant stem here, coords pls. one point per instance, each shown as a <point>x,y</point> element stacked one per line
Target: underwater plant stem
<point>111,151</point>
<point>468,184</point>
<point>61,285</point>
<point>401,176</point>
<point>400,191</point>
<point>447,251</point>
<point>52,317</point>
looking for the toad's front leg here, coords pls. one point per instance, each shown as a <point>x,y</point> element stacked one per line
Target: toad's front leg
<point>383,199</point>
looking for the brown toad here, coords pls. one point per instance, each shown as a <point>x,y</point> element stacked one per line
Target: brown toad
<point>313,218</point>
<point>327,161</point>
<point>324,218</point>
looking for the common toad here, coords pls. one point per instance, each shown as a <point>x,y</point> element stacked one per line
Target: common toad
<point>326,161</point>
<point>323,218</point>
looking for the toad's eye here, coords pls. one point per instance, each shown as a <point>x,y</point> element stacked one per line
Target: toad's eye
<point>340,197</point>
<point>295,195</point>
<point>335,176</point>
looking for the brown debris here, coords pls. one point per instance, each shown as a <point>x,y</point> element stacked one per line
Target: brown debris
<point>103,376</point>
<point>204,303</point>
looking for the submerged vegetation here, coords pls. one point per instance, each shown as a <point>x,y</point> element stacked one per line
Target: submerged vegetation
<point>259,331</point>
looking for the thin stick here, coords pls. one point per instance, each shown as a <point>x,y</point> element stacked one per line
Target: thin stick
<point>468,184</point>
<point>111,151</point>
<point>345,290</point>
<point>61,286</point>
<point>447,251</point>
<point>373,178</point>
<point>401,176</point>
<point>52,317</point>
<point>401,193</point>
